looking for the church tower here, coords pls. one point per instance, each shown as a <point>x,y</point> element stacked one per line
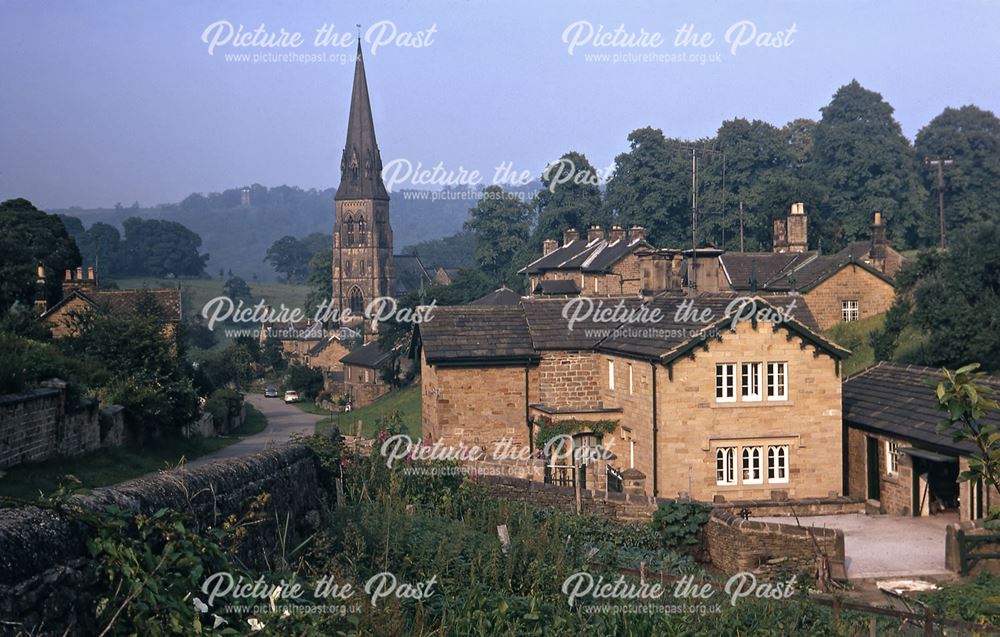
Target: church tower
<point>362,235</point>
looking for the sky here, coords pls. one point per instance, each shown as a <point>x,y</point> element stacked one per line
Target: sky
<point>106,101</point>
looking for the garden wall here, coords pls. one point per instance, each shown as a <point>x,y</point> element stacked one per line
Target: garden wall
<point>40,424</point>
<point>45,575</point>
<point>769,548</point>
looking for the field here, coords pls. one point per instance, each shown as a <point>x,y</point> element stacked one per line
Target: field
<point>406,401</point>
<point>855,337</point>
<point>196,292</point>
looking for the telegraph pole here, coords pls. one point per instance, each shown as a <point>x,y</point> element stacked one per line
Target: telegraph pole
<point>940,163</point>
<point>692,275</point>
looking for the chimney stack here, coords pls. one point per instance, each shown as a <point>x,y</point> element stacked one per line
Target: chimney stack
<point>90,274</point>
<point>636,233</point>
<point>570,235</point>
<point>877,251</point>
<point>617,233</point>
<point>797,228</point>
<point>79,273</point>
<point>596,233</point>
<point>549,246</point>
<point>40,302</point>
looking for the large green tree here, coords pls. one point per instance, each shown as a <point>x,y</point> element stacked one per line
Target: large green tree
<point>502,224</point>
<point>156,247</point>
<point>570,197</point>
<point>29,238</point>
<point>866,164</point>
<point>971,137</point>
<point>290,256</point>
<point>651,186</point>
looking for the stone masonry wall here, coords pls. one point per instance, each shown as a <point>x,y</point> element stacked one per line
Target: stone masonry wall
<point>568,380</point>
<point>45,576</point>
<point>873,295</point>
<point>736,545</point>
<point>37,425</point>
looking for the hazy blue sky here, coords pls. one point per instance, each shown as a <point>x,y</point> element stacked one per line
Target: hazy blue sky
<point>121,101</point>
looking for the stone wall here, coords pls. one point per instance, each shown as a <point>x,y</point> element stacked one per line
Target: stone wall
<point>895,489</point>
<point>971,529</point>
<point>874,295</point>
<point>804,507</point>
<point>39,424</point>
<point>568,380</point>
<point>615,506</point>
<point>45,575</point>
<point>736,545</point>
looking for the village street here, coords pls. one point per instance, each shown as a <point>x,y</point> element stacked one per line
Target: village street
<point>284,422</point>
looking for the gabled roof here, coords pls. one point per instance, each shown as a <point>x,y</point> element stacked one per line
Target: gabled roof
<point>475,335</point>
<point>787,271</point>
<point>502,296</point>
<point>900,400</point>
<point>368,355</point>
<point>593,256</point>
<point>124,302</point>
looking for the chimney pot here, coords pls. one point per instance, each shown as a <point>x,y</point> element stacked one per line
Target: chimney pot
<point>79,273</point>
<point>69,275</point>
<point>41,273</point>
<point>90,273</point>
<point>878,218</point>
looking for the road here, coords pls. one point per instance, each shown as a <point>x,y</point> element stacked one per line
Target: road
<point>283,423</point>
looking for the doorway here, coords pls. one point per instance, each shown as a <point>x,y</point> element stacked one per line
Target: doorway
<point>872,455</point>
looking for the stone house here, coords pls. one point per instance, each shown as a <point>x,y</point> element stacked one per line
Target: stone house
<point>711,409</point>
<point>362,374</point>
<point>894,455</point>
<point>81,294</point>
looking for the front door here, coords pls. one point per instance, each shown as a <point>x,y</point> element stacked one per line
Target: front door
<point>873,473</point>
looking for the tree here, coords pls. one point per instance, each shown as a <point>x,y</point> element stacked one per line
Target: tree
<point>155,247</point>
<point>501,223</point>
<point>570,197</point>
<point>29,238</point>
<point>289,257</point>
<point>308,382</point>
<point>651,187</point>
<point>320,280</point>
<point>866,164</point>
<point>968,403</point>
<point>971,137</point>
<point>236,288</point>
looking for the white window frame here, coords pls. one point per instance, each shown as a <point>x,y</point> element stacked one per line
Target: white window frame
<point>725,382</point>
<point>891,457</point>
<point>777,380</point>
<point>751,459</point>
<point>750,390</point>
<point>849,310</point>
<point>725,466</point>
<point>611,375</point>
<point>777,463</point>
<point>631,387</point>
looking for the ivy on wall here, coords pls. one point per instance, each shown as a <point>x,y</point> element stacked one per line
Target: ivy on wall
<point>547,429</point>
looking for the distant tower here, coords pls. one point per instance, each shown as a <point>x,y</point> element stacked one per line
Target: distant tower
<point>245,197</point>
<point>362,235</point>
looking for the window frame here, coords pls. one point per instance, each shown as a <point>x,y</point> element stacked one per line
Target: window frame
<point>631,386</point>
<point>745,394</point>
<point>751,461</point>
<point>850,310</point>
<point>777,462</point>
<point>725,466</point>
<point>780,371</point>
<point>891,457</point>
<point>611,374</point>
<point>720,374</point>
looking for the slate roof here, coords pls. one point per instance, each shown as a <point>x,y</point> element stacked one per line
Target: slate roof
<point>801,271</point>
<point>899,400</point>
<point>368,355</point>
<point>410,274</point>
<point>124,302</point>
<point>557,287</point>
<point>502,296</point>
<point>593,256</point>
<point>473,333</point>
<point>500,334</point>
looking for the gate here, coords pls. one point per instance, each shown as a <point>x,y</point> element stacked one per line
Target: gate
<point>614,480</point>
<point>563,475</point>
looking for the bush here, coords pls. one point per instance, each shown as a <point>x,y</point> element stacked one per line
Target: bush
<point>225,406</point>
<point>679,523</point>
<point>305,380</point>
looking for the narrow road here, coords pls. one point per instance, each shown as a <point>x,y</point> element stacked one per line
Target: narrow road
<point>283,422</point>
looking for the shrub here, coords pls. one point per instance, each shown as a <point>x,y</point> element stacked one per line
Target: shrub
<point>679,523</point>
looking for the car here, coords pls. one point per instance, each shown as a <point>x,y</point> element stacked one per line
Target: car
<point>291,396</point>
<point>271,392</point>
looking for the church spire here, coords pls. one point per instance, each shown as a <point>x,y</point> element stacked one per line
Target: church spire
<point>361,164</point>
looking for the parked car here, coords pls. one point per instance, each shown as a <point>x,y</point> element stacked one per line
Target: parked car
<point>291,396</point>
<point>271,392</point>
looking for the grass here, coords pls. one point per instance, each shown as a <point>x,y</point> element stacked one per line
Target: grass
<point>110,466</point>
<point>406,401</point>
<point>196,292</point>
<point>855,337</point>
